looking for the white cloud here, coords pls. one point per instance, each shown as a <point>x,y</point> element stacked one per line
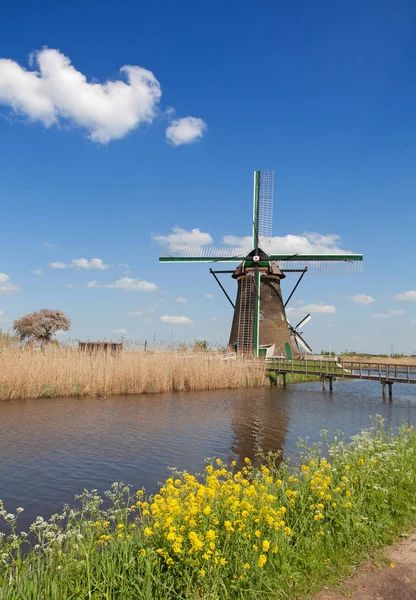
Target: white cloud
<point>185,131</point>
<point>213,318</point>
<point>126,283</point>
<point>58,265</point>
<point>36,272</point>
<point>135,313</point>
<point>314,308</point>
<point>391,313</point>
<point>122,331</point>
<point>57,92</point>
<point>1,313</point>
<point>6,286</point>
<point>81,263</point>
<point>181,237</point>
<point>209,296</point>
<point>308,243</point>
<point>408,296</point>
<point>361,299</point>
<point>413,321</point>
<point>181,300</point>
<point>70,285</point>
<point>176,320</point>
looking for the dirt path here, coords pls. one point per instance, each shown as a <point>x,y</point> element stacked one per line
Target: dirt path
<point>395,580</point>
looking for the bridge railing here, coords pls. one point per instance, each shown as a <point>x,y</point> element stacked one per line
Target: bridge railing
<point>345,369</point>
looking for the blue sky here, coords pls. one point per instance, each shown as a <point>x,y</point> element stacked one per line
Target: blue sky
<point>323,93</point>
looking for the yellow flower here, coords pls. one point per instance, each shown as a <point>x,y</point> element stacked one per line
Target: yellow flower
<point>207,510</point>
<point>202,572</point>
<point>210,535</point>
<point>257,533</point>
<point>247,460</point>
<point>348,505</point>
<point>287,531</point>
<point>392,565</point>
<point>275,549</point>
<point>97,524</point>
<point>261,560</point>
<point>246,566</point>
<point>265,545</point>
<point>148,532</point>
<point>347,467</point>
<point>223,562</point>
<point>120,535</point>
<point>348,494</point>
<point>142,552</point>
<point>139,493</point>
<point>121,526</point>
<point>106,523</point>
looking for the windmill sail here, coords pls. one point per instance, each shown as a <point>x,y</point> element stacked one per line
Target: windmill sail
<point>265,213</point>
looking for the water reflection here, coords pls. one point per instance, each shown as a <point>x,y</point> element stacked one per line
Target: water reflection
<point>260,424</point>
<point>51,449</point>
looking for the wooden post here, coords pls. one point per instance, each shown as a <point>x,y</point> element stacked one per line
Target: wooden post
<point>323,384</point>
<point>284,379</point>
<point>383,388</point>
<point>330,384</point>
<point>390,384</point>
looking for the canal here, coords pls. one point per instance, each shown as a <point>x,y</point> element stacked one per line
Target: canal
<point>51,449</point>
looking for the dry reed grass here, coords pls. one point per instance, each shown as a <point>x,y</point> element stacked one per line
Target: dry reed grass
<point>65,371</point>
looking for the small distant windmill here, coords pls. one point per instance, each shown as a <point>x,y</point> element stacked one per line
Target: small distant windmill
<point>259,312</point>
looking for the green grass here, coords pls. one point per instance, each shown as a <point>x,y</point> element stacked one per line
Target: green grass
<point>275,532</point>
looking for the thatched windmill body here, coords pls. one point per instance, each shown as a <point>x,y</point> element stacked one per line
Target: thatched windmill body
<point>259,319</point>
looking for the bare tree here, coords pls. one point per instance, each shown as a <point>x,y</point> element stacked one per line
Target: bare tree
<point>41,326</point>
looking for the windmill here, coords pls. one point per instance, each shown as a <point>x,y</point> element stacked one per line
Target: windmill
<point>259,319</point>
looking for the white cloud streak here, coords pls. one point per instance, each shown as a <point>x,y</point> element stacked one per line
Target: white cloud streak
<point>6,286</point>
<point>307,243</point>
<point>81,263</point>
<point>409,296</point>
<point>181,300</point>
<point>135,313</point>
<point>126,283</point>
<point>209,296</point>
<point>361,299</point>
<point>121,331</point>
<point>36,272</point>
<point>185,131</point>
<point>314,308</point>
<point>176,320</point>
<point>181,237</point>
<point>388,315</point>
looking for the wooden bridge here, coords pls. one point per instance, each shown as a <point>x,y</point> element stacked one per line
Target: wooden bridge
<point>330,370</point>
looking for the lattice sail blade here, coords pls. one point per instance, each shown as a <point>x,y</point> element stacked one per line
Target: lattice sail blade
<point>201,254</point>
<point>245,323</point>
<point>320,264</point>
<point>265,213</point>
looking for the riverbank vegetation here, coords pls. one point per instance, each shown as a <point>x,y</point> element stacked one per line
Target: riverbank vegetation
<point>266,531</point>
<point>66,371</point>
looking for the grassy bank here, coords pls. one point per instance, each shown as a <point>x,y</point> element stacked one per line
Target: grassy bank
<point>258,532</point>
<point>65,371</point>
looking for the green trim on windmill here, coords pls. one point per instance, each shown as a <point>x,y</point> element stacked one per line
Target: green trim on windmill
<point>256,315</point>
